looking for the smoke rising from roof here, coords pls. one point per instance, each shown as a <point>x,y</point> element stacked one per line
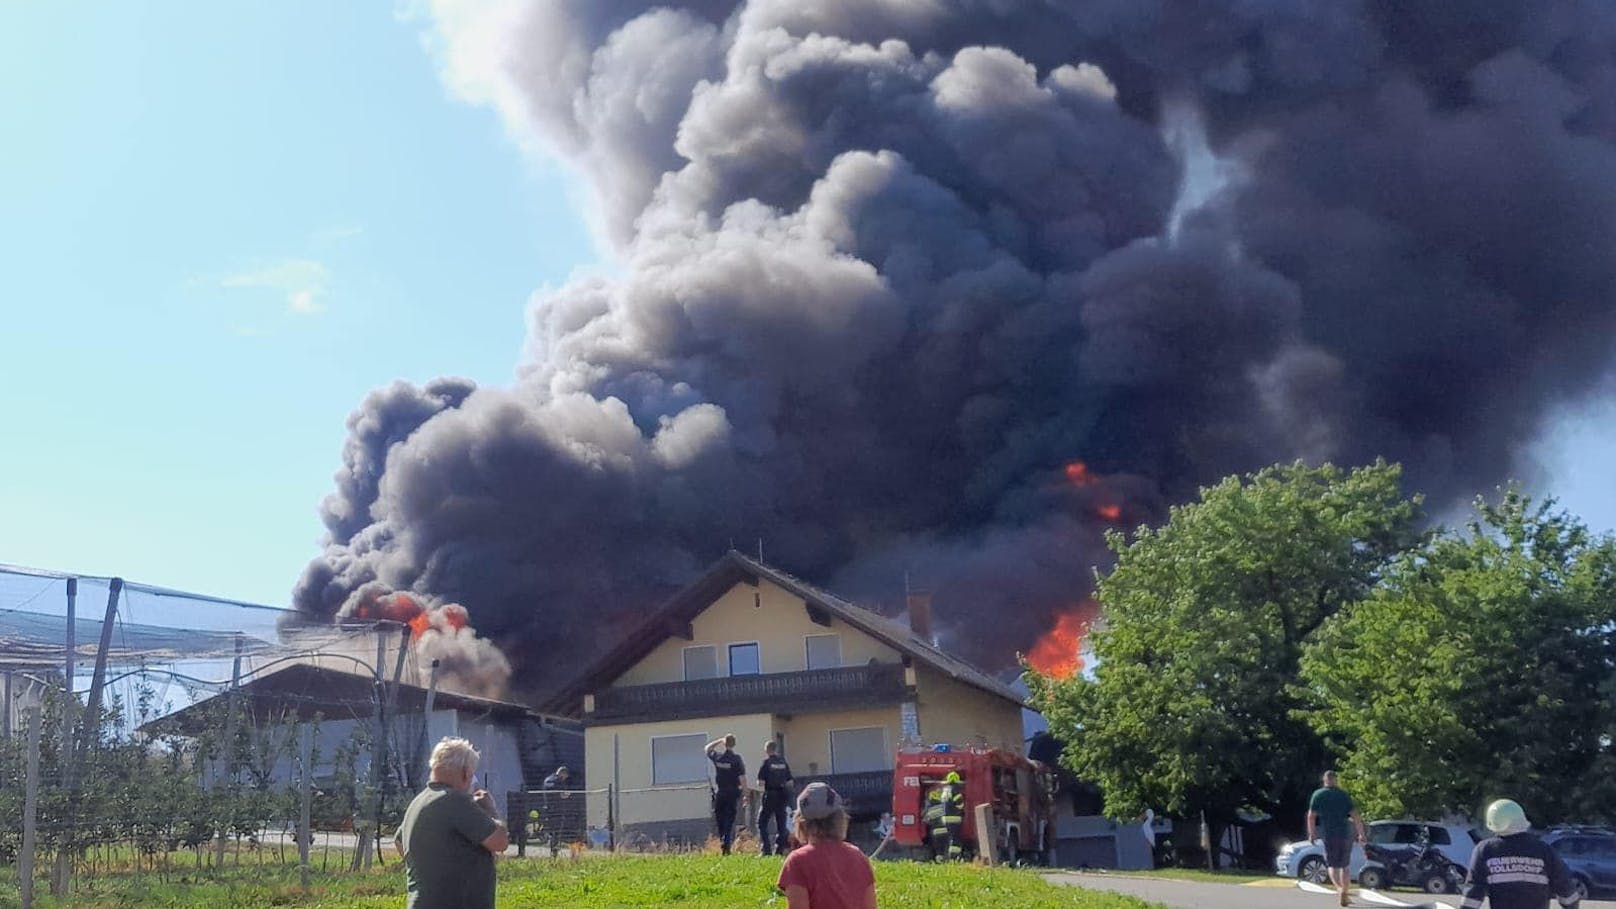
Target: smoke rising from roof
<point>889,265</point>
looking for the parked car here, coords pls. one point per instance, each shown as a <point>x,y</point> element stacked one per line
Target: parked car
<point>1305,860</point>
<point>1590,855</point>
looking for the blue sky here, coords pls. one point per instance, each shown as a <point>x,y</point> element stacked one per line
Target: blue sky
<point>224,223</point>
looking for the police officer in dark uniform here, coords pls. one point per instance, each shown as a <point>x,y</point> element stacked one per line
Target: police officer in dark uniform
<point>729,774</point>
<point>774,775</point>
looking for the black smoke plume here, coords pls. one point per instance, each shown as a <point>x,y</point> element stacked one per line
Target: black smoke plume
<point>887,267</point>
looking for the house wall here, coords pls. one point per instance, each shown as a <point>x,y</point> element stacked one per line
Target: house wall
<point>621,755</point>
<point>807,736</point>
<point>774,618</point>
<point>961,714</point>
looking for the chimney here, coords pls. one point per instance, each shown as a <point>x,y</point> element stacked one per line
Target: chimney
<point>919,603</point>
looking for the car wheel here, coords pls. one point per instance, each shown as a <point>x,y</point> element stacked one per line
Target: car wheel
<point>1579,888</point>
<point>1313,870</point>
<point>1438,882</point>
<point>1372,878</point>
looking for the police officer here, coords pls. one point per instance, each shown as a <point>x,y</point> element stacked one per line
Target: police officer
<point>1515,870</point>
<point>774,776</point>
<point>729,774</point>
<point>944,816</point>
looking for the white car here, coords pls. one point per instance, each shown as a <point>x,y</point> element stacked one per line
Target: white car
<point>1306,860</point>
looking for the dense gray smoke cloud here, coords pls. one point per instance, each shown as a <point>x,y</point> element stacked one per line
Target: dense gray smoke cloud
<point>889,266</point>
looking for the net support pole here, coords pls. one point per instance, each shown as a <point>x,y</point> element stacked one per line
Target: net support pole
<point>228,745</point>
<point>305,833</point>
<point>30,812</point>
<point>420,758</point>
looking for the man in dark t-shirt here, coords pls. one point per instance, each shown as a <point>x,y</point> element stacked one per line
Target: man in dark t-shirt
<point>1330,813</point>
<point>729,775</point>
<point>450,835</point>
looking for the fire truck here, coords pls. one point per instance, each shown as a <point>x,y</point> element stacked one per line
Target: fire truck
<point>1021,792</point>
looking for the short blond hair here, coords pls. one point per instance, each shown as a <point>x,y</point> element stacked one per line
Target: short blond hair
<point>455,754</point>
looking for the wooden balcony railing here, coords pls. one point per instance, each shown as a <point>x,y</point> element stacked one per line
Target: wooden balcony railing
<point>815,690</point>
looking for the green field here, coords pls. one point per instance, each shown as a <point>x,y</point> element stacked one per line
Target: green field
<point>685,881</point>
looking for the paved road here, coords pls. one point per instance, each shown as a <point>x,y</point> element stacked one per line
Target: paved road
<point>1276,894</point>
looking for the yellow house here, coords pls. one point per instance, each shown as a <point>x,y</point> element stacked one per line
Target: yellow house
<point>750,650</point>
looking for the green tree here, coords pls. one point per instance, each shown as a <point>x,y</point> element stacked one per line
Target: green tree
<point>1481,668</point>
<point>1191,705</point>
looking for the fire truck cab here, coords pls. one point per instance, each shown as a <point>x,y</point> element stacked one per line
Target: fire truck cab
<point>1020,791</point>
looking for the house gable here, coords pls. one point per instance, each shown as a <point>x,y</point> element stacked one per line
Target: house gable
<point>757,612</point>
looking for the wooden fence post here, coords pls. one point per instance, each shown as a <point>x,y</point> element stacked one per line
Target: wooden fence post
<point>30,812</point>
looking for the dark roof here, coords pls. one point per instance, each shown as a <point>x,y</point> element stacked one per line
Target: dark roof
<point>724,574</point>
<point>306,690</point>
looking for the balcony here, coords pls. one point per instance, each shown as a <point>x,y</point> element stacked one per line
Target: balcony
<point>812,691</point>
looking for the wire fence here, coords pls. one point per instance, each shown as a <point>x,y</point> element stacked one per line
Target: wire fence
<point>177,734</point>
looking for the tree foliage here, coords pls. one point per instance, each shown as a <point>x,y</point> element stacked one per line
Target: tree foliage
<point>1192,705</point>
<point>1480,668</point>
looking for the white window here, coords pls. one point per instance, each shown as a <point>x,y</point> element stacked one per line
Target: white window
<point>859,750</point>
<point>824,651</point>
<point>744,659</point>
<point>701,662</point>
<point>678,759</point>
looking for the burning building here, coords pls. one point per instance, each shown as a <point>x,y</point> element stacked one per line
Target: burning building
<point>885,269</point>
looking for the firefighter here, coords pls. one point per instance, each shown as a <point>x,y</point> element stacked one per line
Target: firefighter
<point>774,775</point>
<point>729,775</point>
<point>554,820</point>
<point>944,815</point>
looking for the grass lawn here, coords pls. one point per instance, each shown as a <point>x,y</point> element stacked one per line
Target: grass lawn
<point>685,881</point>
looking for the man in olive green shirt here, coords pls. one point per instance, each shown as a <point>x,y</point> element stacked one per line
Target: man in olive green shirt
<point>450,835</point>
<point>1330,812</point>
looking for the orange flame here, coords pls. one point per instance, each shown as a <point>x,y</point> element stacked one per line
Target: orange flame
<point>1058,653</point>
<point>405,609</point>
<point>1110,512</point>
<point>1077,473</point>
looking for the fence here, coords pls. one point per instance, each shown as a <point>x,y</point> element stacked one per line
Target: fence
<point>161,735</point>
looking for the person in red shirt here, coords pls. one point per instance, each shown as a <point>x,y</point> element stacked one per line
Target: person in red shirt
<point>826,872</point>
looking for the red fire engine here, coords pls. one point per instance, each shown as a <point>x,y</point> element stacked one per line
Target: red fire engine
<point>1021,792</point>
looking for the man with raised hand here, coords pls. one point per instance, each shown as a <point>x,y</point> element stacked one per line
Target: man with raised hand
<point>450,835</point>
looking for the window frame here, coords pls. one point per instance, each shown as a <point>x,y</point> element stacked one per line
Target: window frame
<point>650,747</point>
<point>808,653</point>
<point>684,661</point>
<point>729,658</point>
<point>830,747</point>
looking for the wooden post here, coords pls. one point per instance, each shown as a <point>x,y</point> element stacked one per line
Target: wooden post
<point>30,812</point>
<point>98,679</point>
<point>10,706</point>
<point>420,758</point>
<point>987,840</point>
<point>385,776</point>
<point>367,836</point>
<point>228,745</point>
<point>305,832</point>
<point>64,854</point>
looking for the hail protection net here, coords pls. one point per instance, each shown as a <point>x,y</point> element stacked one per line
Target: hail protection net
<point>214,723</point>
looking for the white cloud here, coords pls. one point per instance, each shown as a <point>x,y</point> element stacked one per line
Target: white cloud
<point>335,233</point>
<point>303,281</point>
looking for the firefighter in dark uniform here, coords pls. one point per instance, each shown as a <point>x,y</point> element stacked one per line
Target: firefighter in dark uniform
<point>1515,869</point>
<point>774,776</point>
<point>729,775</point>
<point>944,815</point>
<point>555,820</point>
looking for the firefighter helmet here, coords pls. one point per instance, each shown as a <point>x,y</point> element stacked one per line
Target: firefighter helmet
<point>953,777</point>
